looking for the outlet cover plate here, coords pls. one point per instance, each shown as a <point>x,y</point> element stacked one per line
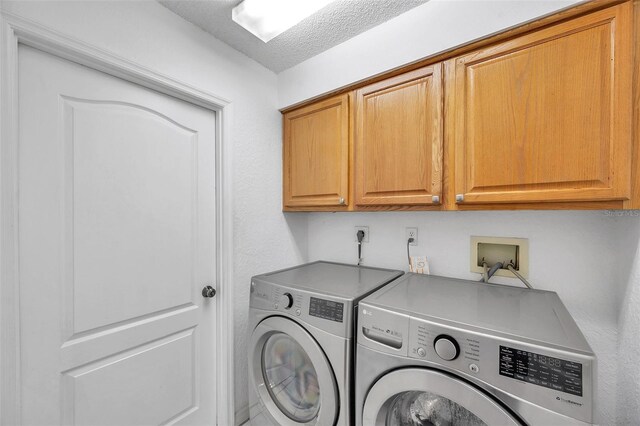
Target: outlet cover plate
<point>366,233</point>
<point>521,249</point>
<point>412,231</point>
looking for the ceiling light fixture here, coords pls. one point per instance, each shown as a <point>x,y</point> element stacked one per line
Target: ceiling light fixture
<point>267,19</point>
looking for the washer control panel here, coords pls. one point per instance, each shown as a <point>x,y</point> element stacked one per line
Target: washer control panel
<point>558,380</point>
<point>553,373</point>
<point>432,342</point>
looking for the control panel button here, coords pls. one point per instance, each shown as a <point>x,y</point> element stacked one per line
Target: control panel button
<point>298,312</point>
<point>446,347</point>
<point>286,300</point>
<point>422,352</point>
<point>474,368</point>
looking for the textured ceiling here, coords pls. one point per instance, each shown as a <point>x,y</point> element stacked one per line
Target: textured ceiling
<point>337,22</point>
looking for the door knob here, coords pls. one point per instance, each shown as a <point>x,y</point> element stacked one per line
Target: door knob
<point>208,291</point>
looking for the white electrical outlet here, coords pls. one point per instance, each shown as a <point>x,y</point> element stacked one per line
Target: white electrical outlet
<point>364,229</point>
<point>412,233</point>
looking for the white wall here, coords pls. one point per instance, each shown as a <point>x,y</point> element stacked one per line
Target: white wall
<point>424,31</point>
<point>150,35</point>
<point>628,266</point>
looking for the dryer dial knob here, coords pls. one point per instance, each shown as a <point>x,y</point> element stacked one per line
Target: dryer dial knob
<point>286,300</point>
<point>446,347</point>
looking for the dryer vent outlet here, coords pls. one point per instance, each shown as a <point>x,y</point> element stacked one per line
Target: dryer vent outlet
<point>497,249</point>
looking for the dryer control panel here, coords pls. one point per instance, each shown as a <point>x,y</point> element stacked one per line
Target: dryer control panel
<point>331,314</point>
<point>327,309</point>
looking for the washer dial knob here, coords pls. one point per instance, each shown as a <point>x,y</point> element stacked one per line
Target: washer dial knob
<point>286,300</point>
<point>446,347</point>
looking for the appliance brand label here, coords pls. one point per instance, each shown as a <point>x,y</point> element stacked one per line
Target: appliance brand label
<point>568,401</point>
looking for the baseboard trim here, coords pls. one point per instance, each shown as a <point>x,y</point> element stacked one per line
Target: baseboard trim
<point>242,415</point>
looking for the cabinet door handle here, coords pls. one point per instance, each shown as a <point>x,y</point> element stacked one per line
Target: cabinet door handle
<point>341,201</point>
<point>459,198</point>
<point>435,199</point>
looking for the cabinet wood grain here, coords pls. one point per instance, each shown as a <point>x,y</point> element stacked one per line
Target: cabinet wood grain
<point>316,155</point>
<point>634,202</point>
<point>546,117</point>
<point>542,116</point>
<point>399,141</point>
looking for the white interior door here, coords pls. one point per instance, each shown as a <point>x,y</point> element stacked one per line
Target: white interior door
<point>116,190</point>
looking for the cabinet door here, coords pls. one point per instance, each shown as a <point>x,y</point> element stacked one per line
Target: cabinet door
<point>398,141</point>
<point>316,154</point>
<point>547,116</point>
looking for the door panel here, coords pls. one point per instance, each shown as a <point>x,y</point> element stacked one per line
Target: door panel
<point>414,396</point>
<point>117,238</point>
<point>167,366</point>
<point>546,116</point>
<point>291,375</point>
<point>316,154</point>
<point>292,379</point>
<point>123,194</point>
<point>415,408</point>
<point>398,143</point>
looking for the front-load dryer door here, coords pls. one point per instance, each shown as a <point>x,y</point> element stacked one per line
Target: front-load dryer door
<point>416,396</point>
<point>292,376</point>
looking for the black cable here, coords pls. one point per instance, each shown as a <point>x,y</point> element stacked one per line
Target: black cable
<point>360,236</point>
<point>409,241</point>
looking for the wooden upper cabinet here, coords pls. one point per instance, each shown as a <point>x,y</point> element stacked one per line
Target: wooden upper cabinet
<point>398,140</point>
<point>546,116</point>
<point>316,155</point>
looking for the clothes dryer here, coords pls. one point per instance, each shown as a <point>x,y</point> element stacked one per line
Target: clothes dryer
<point>302,342</point>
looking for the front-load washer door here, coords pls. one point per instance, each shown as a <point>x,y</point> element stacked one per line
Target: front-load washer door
<point>291,375</point>
<point>416,396</point>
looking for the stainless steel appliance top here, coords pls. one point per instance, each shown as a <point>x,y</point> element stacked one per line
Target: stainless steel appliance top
<point>349,282</point>
<point>518,312</point>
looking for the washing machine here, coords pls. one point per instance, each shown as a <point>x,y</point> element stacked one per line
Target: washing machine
<point>442,351</point>
<point>302,342</point>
